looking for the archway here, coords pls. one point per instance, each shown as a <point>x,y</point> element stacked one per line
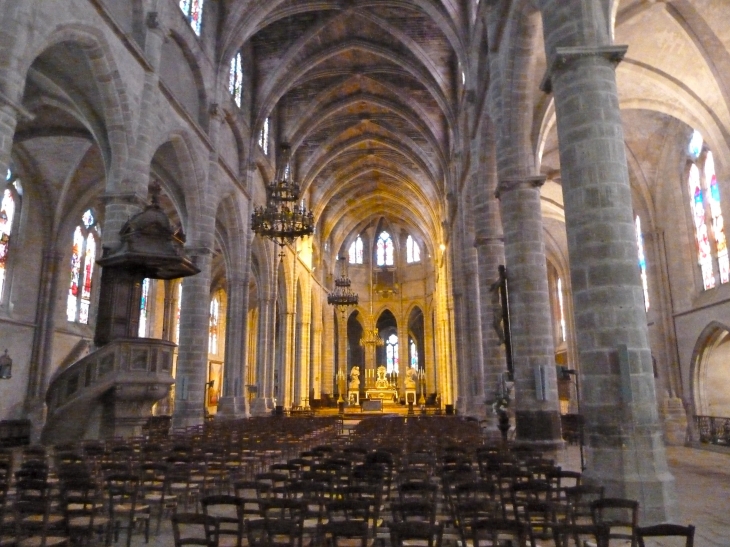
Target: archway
<point>711,372</point>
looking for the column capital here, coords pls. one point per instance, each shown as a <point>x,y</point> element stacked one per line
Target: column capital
<point>565,56</point>
<point>507,185</point>
<point>124,198</point>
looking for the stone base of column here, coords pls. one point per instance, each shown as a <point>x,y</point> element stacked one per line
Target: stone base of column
<point>231,408</point>
<point>262,406</point>
<point>674,418</point>
<point>36,412</point>
<point>538,426</point>
<point>629,470</point>
<point>186,416</point>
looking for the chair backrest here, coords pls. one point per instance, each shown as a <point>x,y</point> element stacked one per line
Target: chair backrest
<point>620,514</point>
<point>491,531</point>
<point>331,533</point>
<point>194,529</point>
<point>577,535</point>
<point>405,533</point>
<point>223,507</point>
<point>666,530</point>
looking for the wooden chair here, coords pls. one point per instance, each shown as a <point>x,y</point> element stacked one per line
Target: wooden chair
<point>228,512</point>
<point>416,533</point>
<point>35,527</point>
<point>578,535</point>
<point>194,529</point>
<point>343,534</point>
<point>495,531</point>
<point>126,506</point>
<point>84,510</point>
<point>664,531</point>
<point>620,515</point>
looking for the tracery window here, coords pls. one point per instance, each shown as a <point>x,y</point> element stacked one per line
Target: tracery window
<point>561,309</point>
<point>215,307</point>
<point>193,11</point>
<point>642,262</point>
<point>356,251</point>
<point>384,250</point>
<point>703,184</point>
<point>235,79</point>
<point>413,350</point>
<point>7,215</point>
<point>83,257</point>
<point>264,137</point>
<point>391,353</point>
<point>144,308</point>
<point>413,251</point>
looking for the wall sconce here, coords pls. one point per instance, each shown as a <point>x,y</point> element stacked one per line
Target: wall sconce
<point>6,366</point>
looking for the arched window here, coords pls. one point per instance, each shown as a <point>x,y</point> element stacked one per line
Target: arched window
<point>384,250</point>
<point>413,251</point>
<point>561,309</point>
<point>215,307</point>
<point>642,262</point>
<point>264,137</point>
<point>83,257</point>
<point>703,183</point>
<point>144,308</point>
<point>193,11</point>
<point>356,251</point>
<point>413,350</point>
<point>235,79</point>
<point>7,216</point>
<point>391,353</point>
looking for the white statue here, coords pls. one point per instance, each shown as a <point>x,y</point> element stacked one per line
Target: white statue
<point>355,378</point>
<point>381,382</point>
<point>410,381</point>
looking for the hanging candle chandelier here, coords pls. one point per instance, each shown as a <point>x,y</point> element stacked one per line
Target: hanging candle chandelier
<point>343,296</point>
<point>284,218</point>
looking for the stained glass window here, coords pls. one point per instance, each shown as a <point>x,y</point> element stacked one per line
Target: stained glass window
<point>356,251</point>
<point>384,250</point>
<point>235,79</point>
<point>712,190</point>
<point>264,137</point>
<point>414,354</point>
<point>562,309</point>
<point>143,308</point>
<point>704,252</point>
<point>7,214</point>
<point>193,11</point>
<point>413,251</point>
<point>215,306</point>
<point>391,353</point>
<point>83,258</point>
<point>642,262</point>
<point>705,201</point>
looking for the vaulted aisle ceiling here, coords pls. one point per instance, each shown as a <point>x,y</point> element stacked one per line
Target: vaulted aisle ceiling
<point>366,93</point>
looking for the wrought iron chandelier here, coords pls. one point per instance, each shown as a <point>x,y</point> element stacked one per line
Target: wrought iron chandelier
<point>343,296</point>
<point>284,218</point>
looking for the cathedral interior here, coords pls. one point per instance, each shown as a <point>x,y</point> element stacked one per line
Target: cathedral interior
<point>584,145</point>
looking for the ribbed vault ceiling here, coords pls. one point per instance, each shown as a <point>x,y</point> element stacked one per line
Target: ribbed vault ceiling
<point>365,91</point>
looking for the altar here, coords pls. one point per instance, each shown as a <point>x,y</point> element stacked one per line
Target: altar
<point>383,390</point>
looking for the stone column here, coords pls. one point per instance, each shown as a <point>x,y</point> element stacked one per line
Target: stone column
<point>327,378</point>
<point>429,347</point>
<point>624,447</point>
<point>536,393</point>
<point>233,402</point>
<point>286,382</point>
<point>342,351</point>
<point>263,403</point>
<point>473,389</point>
<point>192,359</point>
<point>316,364</point>
<point>302,382</point>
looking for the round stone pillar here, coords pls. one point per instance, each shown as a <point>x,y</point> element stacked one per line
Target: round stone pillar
<point>533,353</point>
<point>625,451</point>
<point>192,359</point>
<point>233,402</point>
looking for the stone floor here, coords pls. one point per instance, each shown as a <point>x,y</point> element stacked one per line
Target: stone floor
<point>702,484</point>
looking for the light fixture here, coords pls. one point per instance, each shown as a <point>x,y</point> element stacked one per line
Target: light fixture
<point>284,218</point>
<point>6,366</point>
<point>343,296</point>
